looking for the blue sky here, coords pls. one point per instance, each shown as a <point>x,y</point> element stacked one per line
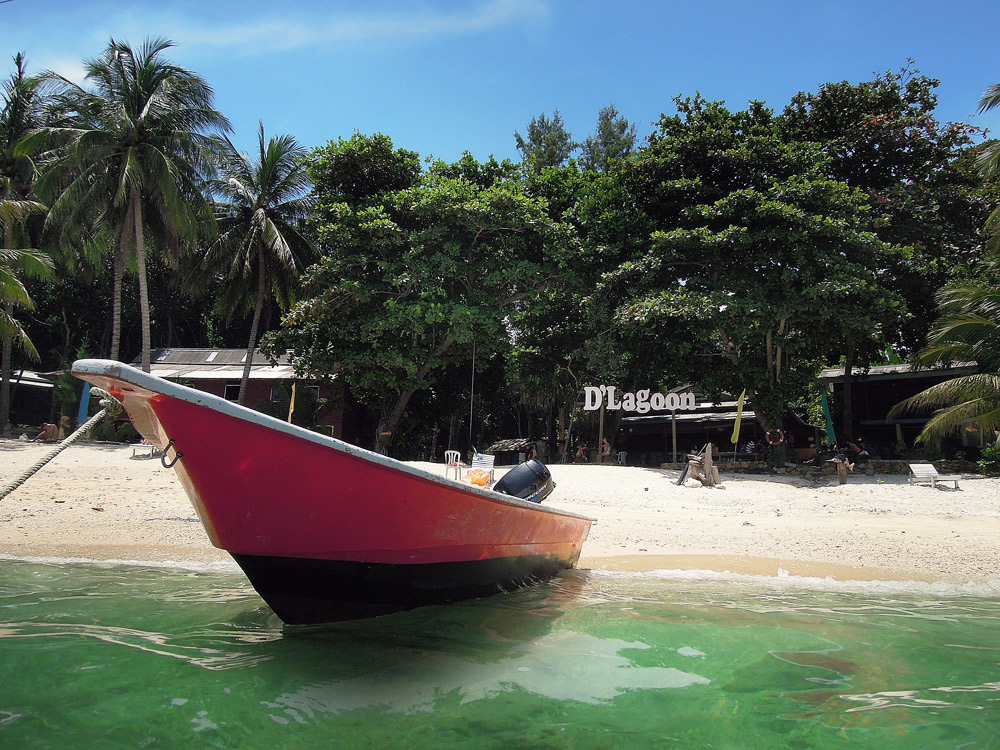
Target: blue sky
<point>442,77</point>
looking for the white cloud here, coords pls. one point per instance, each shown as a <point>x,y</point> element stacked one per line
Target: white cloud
<point>71,68</point>
<point>274,34</point>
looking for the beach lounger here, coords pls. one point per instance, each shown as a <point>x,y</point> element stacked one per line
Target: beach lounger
<point>144,450</point>
<point>927,473</point>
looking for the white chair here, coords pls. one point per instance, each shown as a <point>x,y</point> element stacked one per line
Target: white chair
<point>620,460</point>
<point>451,461</point>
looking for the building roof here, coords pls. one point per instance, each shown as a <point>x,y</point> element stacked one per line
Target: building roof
<point>898,371</point>
<point>216,364</point>
<point>32,379</point>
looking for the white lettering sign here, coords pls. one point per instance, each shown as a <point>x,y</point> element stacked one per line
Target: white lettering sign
<point>642,401</point>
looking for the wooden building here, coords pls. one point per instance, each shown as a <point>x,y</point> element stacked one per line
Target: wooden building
<point>218,371</point>
<point>667,437</point>
<point>873,394</point>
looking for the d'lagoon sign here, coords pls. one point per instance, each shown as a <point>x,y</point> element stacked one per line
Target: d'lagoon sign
<point>642,401</point>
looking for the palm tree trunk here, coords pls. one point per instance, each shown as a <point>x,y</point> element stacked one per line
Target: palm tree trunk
<point>116,293</point>
<point>252,346</point>
<point>847,428</point>
<point>5,370</point>
<point>5,356</point>
<point>140,261</point>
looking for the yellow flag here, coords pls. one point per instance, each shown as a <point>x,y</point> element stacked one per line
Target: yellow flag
<point>739,417</point>
<point>291,404</point>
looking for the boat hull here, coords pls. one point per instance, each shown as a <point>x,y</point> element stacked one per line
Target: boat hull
<point>325,530</point>
<point>306,591</point>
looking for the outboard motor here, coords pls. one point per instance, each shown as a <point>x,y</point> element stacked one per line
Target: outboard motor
<point>530,481</point>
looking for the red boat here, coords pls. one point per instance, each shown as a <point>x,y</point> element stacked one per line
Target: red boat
<point>328,531</point>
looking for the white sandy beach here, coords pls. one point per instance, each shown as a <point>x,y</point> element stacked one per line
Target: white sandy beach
<point>95,502</point>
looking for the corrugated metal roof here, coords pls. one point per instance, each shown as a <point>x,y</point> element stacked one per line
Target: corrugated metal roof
<point>30,378</point>
<point>690,417</point>
<point>207,356</point>
<point>902,369</point>
<point>216,364</point>
<point>221,372</point>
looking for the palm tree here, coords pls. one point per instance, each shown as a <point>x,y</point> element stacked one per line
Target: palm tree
<point>968,330</point>
<point>260,250</point>
<point>21,112</point>
<point>989,161</point>
<point>132,158</point>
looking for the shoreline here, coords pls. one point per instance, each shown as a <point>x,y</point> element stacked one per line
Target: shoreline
<point>95,502</point>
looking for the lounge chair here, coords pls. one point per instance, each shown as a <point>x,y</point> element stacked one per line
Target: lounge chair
<point>927,473</point>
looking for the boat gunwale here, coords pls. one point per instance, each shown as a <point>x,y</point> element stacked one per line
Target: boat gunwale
<point>160,386</point>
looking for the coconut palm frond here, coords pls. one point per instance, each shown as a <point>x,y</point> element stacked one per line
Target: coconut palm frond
<point>983,413</point>
<point>10,327</point>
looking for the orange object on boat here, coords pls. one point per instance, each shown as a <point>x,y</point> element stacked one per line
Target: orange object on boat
<point>477,476</point>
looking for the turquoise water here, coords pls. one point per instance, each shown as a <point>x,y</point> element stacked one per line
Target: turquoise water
<point>101,656</point>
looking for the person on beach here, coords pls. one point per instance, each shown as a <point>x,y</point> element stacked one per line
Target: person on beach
<point>605,450</point>
<point>49,433</point>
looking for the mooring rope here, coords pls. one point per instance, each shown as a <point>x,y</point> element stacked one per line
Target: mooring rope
<point>112,407</point>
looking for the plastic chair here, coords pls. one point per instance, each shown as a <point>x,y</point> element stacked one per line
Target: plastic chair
<point>620,460</point>
<point>451,461</point>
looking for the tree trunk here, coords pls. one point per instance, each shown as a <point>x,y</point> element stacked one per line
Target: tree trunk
<point>258,306</point>
<point>847,413</point>
<point>7,347</point>
<point>140,261</point>
<point>116,292</point>
<point>387,423</point>
<point>5,369</point>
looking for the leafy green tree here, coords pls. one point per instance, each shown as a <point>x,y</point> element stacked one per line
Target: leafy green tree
<point>22,111</point>
<point>613,140</point>
<point>967,331</point>
<point>131,158</point>
<point>757,253</point>
<point>260,251</point>
<point>567,337</point>
<point>548,143</point>
<point>882,137</point>
<point>419,267</point>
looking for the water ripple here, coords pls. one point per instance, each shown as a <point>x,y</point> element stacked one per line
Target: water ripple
<point>154,643</point>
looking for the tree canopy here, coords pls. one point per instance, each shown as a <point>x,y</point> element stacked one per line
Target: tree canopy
<point>732,249</point>
<point>131,154</point>
<point>261,204</point>
<point>418,267</point>
<point>547,143</point>
<point>755,251</point>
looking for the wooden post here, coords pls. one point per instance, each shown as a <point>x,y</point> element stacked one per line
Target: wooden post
<point>708,466</point>
<point>842,472</point>
<point>673,431</point>
<point>600,437</point>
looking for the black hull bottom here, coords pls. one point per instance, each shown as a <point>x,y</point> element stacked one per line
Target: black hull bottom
<point>304,591</point>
